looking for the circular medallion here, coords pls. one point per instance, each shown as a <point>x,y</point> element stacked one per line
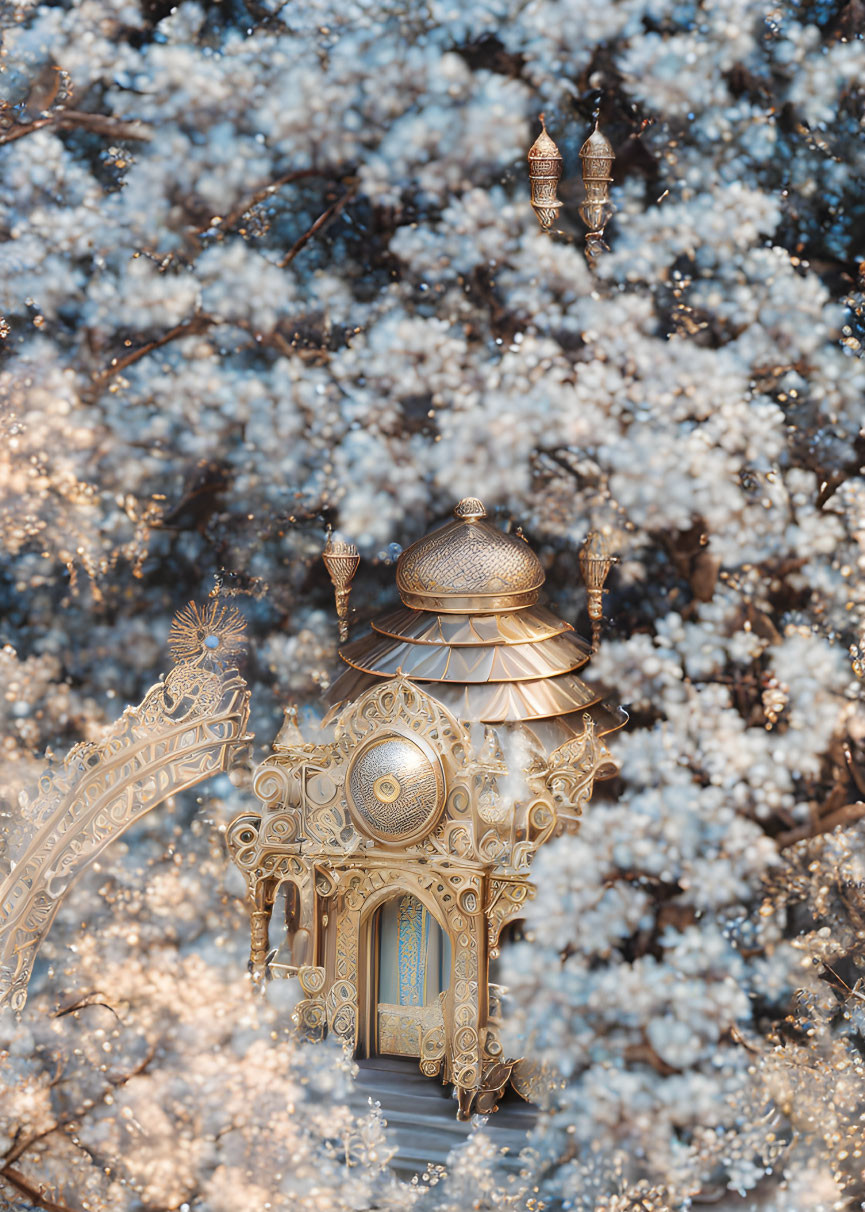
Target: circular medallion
<point>395,788</point>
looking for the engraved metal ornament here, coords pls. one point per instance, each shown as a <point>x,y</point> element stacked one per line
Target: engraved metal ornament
<point>469,565</point>
<point>597,158</point>
<point>214,635</point>
<point>341,561</point>
<point>595,565</point>
<point>395,789</point>
<point>545,169</point>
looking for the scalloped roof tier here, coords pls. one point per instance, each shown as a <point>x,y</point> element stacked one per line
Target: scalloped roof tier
<point>525,626</point>
<point>466,663</point>
<point>546,700</point>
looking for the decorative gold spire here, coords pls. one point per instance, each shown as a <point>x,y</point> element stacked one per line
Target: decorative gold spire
<point>595,564</point>
<point>470,508</point>
<point>545,169</point>
<point>289,735</point>
<point>341,561</point>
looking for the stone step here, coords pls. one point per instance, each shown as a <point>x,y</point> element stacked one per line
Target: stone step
<point>421,1115</point>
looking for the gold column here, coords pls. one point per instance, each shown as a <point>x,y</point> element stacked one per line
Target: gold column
<point>259,923</point>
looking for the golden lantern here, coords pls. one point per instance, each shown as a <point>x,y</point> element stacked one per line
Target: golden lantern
<point>597,158</point>
<point>595,564</point>
<point>545,169</point>
<point>341,561</point>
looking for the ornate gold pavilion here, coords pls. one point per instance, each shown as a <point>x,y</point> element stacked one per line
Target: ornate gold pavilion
<point>463,739</point>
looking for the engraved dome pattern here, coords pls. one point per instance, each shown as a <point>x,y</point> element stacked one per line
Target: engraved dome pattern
<point>394,789</point>
<point>469,557</point>
<point>464,558</point>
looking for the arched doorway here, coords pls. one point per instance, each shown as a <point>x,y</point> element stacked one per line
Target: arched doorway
<point>412,969</point>
<point>289,941</point>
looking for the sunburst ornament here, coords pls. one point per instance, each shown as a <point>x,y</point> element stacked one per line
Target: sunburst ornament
<point>212,635</point>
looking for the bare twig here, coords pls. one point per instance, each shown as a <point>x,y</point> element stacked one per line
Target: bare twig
<point>189,328</point>
<point>644,1054</point>
<point>25,128</point>
<point>139,1068</point>
<point>848,815</point>
<point>100,124</point>
<point>82,1003</point>
<point>322,219</point>
<point>21,1143</point>
<point>223,222</point>
<point>19,1147</point>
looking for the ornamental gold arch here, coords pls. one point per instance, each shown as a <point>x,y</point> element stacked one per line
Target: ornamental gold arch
<point>185,729</point>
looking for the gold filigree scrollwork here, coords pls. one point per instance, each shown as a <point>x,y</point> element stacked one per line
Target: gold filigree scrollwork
<point>494,1079</point>
<point>572,770</point>
<point>342,1010</point>
<point>506,899</point>
<point>310,1013</point>
<point>433,1045</point>
<point>541,819</point>
<point>259,926</point>
<point>403,1031</point>
<point>311,979</point>
<point>241,838</point>
<point>272,784</point>
<point>185,729</point>
<point>401,702</point>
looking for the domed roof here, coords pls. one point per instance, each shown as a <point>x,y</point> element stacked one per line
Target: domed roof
<point>543,147</point>
<point>469,565</point>
<point>599,145</point>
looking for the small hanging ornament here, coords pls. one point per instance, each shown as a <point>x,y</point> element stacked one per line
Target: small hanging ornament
<point>545,169</point>
<point>341,561</point>
<point>597,157</point>
<point>595,564</point>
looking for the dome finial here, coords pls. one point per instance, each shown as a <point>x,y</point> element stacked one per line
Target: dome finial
<point>470,508</point>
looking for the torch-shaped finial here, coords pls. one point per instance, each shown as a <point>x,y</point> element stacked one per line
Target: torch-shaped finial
<point>341,561</point>
<point>597,158</point>
<point>595,564</point>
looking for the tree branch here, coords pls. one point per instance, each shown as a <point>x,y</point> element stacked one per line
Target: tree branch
<point>227,221</point>
<point>189,328</point>
<point>23,1186</point>
<point>847,815</point>
<point>82,1003</point>
<point>100,124</point>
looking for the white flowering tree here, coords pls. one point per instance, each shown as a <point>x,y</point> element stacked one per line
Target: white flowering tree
<point>268,267</point>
